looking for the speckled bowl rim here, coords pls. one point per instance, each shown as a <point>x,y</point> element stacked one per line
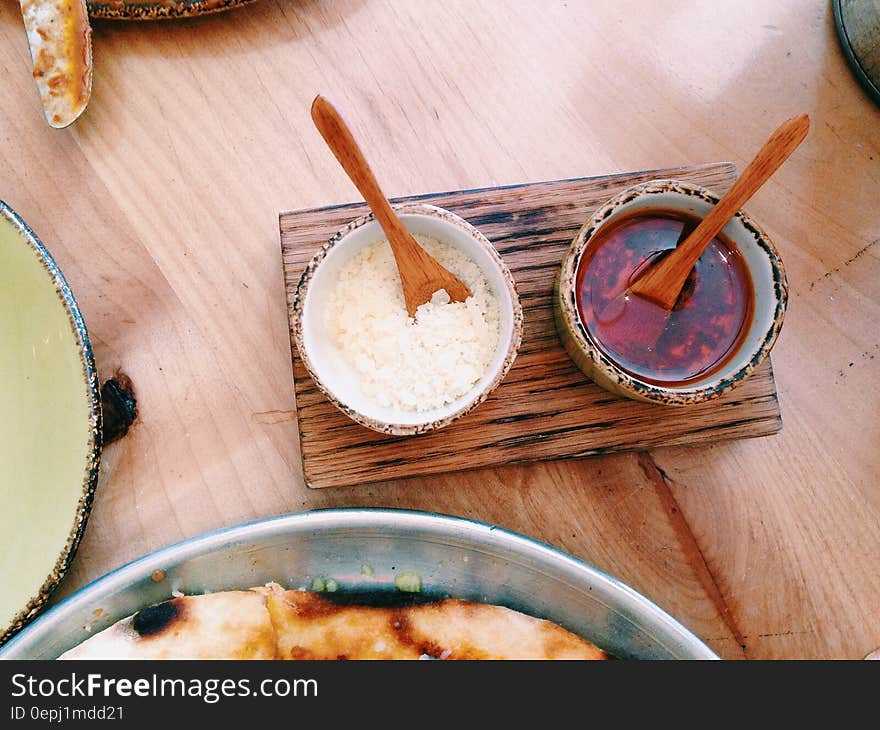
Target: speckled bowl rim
<point>121,10</point>
<point>567,298</point>
<point>406,429</point>
<point>93,459</point>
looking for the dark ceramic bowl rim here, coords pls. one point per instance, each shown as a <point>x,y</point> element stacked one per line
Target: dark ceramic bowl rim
<point>628,382</point>
<point>158,10</point>
<point>861,74</point>
<point>90,375</point>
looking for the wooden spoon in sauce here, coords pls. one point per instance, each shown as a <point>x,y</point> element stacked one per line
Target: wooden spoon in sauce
<point>420,273</point>
<point>662,282</point>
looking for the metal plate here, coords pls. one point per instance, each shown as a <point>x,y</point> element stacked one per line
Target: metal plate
<point>157,10</point>
<point>858,30</point>
<point>453,556</point>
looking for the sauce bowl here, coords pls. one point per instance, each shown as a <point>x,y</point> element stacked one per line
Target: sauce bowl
<point>761,260</point>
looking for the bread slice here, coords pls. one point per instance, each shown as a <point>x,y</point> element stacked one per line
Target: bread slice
<point>60,40</point>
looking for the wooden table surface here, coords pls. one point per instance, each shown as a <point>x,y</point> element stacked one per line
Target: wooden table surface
<point>161,206</point>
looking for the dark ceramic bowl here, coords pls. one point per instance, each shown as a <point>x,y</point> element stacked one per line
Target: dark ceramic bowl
<point>158,9</point>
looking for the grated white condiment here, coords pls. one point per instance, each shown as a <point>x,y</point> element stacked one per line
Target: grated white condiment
<point>412,364</point>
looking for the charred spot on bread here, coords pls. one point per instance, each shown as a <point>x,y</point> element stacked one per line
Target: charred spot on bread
<point>380,598</point>
<point>157,618</point>
<point>309,605</point>
<point>301,653</point>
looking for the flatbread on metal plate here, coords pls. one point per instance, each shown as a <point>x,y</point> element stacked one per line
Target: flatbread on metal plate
<point>272,623</point>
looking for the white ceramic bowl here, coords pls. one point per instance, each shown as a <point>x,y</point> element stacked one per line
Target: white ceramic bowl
<point>326,363</point>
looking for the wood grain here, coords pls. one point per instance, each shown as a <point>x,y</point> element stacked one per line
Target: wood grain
<point>161,205</point>
<point>545,408</point>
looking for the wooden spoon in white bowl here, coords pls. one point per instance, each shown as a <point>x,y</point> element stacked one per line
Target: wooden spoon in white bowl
<point>420,273</point>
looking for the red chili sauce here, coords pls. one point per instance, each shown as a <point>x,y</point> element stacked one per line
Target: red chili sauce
<point>702,331</point>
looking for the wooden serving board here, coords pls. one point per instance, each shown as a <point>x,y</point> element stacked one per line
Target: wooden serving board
<point>545,408</point>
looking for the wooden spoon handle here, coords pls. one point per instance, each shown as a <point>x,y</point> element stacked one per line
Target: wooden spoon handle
<point>662,283</point>
<point>775,151</point>
<point>420,274</point>
<point>345,148</point>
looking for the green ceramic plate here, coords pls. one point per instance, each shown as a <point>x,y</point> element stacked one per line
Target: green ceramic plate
<point>50,424</point>
<point>158,9</point>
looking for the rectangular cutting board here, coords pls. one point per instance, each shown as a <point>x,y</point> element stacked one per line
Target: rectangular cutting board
<point>545,408</point>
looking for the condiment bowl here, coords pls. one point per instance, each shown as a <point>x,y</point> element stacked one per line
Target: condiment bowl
<point>327,365</point>
<point>762,262</point>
